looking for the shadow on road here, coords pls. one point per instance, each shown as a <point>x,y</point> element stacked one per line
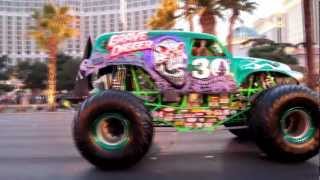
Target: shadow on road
<point>208,165</point>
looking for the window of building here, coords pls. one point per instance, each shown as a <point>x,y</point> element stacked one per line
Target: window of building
<point>112,28</point>
<point>145,12</point>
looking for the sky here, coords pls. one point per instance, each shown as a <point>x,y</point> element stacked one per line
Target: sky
<point>265,8</point>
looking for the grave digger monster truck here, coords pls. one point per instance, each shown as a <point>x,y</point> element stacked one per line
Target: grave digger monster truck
<point>191,82</point>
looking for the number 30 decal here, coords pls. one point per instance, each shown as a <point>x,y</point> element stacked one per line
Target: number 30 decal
<point>202,68</point>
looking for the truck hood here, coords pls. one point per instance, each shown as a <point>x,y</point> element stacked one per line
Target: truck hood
<point>248,65</point>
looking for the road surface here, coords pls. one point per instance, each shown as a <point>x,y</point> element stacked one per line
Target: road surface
<point>39,146</point>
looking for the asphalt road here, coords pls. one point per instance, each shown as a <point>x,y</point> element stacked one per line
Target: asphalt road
<point>39,146</point>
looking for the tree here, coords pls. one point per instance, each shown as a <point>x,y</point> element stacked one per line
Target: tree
<point>188,6</point>
<point>53,26</point>
<point>5,72</point>
<point>236,7</point>
<point>164,17</point>
<point>208,10</point>
<point>308,26</point>
<point>33,75</point>
<point>268,49</point>
<point>67,72</point>
<point>5,67</point>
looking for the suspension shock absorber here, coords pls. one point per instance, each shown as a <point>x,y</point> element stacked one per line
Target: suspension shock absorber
<point>119,76</point>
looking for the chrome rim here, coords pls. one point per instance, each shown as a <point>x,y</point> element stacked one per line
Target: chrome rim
<point>297,126</point>
<point>111,131</point>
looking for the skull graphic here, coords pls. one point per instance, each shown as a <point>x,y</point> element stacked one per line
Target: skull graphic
<point>169,61</point>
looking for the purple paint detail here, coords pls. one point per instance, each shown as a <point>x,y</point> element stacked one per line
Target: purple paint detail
<point>213,84</point>
<point>146,60</point>
<point>149,55</point>
<point>98,61</point>
<point>169,60</point>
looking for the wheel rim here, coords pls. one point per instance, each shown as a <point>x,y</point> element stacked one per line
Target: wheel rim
<point>111,131</point>
<point>297,126</point>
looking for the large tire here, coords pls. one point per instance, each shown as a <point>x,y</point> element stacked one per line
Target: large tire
<point>243,133</point>
<point>285,123</point>
<point>113,130</point>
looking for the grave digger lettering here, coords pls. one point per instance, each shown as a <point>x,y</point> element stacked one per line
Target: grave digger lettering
<point>128,42</point>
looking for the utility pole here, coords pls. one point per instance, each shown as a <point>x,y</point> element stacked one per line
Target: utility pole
<point>310,59</point>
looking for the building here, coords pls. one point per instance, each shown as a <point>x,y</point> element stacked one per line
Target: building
<point>294,17</point>
<point>294,28</point>
<point>240,35</point>
<point>272,27</point>
<point>287,26</point>
<point>95,17</point>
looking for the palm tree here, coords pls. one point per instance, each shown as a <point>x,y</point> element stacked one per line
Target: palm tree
<point>52,27</point>
<point>208,10</point>
<point>165,17</point>
<point>268,49</point>
<point>188,6</point>
<point>236,7</point>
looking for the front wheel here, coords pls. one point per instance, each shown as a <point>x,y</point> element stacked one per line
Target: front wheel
<point>113,130</point>
<point>285,123</point>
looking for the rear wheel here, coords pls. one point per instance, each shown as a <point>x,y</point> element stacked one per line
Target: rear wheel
<point>262,80</point>
<point>285,123</point>
<point>113,130</point>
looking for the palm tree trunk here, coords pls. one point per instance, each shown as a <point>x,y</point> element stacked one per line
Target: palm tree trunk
<point>189,17</point>
<point>309,44</point>
<point>208,23</point>
<point>52,74</point>
<point>232,22</point>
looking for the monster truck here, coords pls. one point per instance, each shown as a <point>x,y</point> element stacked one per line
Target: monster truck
<point>188,81</point>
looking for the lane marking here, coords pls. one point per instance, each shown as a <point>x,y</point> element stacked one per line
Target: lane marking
<point>209,157</point>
